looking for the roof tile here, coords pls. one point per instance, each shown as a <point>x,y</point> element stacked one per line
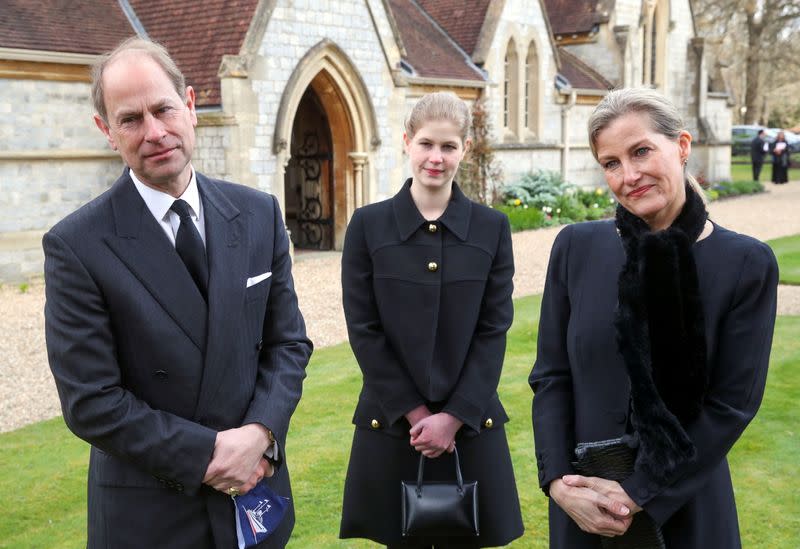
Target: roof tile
<point>581,75</point>
<point>461,19</point>
<point>575,16</point>
<point>429,50</point>
<point>88,26</point>
<point>197,35</point>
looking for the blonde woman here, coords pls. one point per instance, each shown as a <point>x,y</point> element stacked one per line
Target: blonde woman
<point>427,282</point>
<point>656,325</point>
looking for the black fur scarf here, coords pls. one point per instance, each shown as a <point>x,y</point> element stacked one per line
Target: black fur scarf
<point>661,335</point>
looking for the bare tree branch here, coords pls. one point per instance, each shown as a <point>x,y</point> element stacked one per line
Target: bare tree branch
<point>754,39</point>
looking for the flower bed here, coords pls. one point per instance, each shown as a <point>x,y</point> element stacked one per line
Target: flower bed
<point>543,199</point>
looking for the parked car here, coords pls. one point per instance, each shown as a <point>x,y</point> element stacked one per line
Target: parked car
<point>742,135</point>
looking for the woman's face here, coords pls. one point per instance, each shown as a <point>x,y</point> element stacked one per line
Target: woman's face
<point>644,169</point>
<point>435,152</point>
<point>780,137</point>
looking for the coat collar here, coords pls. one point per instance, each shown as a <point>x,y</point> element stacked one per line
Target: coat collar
<point>215,197</point>
<point>140,243</point>
<point>455,217</point>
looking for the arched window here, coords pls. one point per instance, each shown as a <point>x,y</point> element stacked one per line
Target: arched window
<point>511,90</point>
<point>654,43</point>
<point>654,48</point>
<point>646,53</point>
<point>531,117</point>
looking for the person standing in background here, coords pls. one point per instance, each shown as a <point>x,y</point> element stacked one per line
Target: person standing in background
<point>758,148</point>
<point>781,161</point>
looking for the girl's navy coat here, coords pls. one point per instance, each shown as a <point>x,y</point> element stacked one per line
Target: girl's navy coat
<point>427,306</point>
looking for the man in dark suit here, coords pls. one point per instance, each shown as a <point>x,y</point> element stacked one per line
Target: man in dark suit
<point>757,151</point>
<point>173,330</point>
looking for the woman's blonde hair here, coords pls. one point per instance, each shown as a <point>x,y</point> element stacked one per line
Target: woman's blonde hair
<point>663,116</point>
<point>439,106</point>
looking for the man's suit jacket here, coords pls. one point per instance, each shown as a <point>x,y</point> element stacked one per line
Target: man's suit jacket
<point>147,372</point>
<point>757,150</point>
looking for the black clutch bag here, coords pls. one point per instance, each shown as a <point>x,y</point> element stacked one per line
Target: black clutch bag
<point>439,509</point>
<point>613,460</point>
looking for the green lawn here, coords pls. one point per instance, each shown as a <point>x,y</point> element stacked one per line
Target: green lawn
<point>744,172</point>
<point>787,250</point>
<point>43,467</point>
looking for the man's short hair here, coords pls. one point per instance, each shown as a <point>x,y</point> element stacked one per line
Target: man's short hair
<point>760,131</point>
<point>153,50</point>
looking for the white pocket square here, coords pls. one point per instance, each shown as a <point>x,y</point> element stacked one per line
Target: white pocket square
<point>256,279</point>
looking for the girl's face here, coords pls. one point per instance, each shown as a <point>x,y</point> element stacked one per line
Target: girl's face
<point>435,152</point>
<point>644,169</point>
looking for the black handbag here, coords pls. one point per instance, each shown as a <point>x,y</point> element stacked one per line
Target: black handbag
<point>439,509</point>
<point>613,460</point>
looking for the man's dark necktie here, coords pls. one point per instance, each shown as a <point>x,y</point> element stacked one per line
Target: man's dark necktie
<point>190,247</point>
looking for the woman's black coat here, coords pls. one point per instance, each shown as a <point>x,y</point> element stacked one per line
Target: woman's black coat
<point>780,163</point>
<point>427,306</point>
<point>582,390</point>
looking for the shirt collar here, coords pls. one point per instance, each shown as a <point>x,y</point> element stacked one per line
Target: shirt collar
<point>159,202</point>
<point>455,217</point>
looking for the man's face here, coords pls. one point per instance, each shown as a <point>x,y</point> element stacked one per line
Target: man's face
<point>148,122</point>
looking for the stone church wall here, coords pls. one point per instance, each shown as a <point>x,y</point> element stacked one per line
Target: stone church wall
<point>53,159</point>
<point>211,144</point>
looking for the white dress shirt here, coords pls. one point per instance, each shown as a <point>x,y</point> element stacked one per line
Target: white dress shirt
<point>159,202</point>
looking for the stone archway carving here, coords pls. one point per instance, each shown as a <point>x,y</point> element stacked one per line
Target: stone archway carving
<point>329,71</point>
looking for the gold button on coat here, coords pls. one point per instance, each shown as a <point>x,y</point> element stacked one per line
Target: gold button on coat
<point>432,228</point>
<point>488,423</point>
<point>433,267</point>
<point>375,424</point>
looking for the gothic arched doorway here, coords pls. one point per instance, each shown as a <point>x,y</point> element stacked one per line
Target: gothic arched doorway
<point>324,95</point>
<point>308,180</point>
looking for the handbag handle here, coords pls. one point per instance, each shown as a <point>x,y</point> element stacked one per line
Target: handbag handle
<point>459,478</point>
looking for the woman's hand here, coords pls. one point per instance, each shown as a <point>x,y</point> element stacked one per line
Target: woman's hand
<point>435,434</point>
<point>609,488</point>
<point>592,511</point>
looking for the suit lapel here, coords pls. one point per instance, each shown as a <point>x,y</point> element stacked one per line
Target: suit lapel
<point>228,263</point>
<point>142,246</point>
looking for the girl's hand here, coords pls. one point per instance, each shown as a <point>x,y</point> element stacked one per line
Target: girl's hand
<point>417,414</point>
<point>435,434</point>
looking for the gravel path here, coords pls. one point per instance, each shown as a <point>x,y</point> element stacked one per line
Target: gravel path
<point>27,391</point>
